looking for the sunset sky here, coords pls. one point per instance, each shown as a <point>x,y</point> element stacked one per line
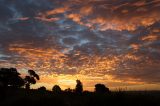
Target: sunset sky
<point>114,42</point>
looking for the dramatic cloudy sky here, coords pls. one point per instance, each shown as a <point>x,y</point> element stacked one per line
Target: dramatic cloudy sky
<point>115,42</point>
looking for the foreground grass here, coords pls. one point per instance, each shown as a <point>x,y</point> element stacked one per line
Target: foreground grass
<point>48,98</point>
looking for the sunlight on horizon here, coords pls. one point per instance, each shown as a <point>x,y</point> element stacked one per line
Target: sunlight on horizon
<point>114,42</point>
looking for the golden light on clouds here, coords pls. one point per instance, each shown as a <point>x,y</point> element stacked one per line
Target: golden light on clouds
<point>150,38</point>
<point>69,81</point>
<point>93,68</point>
<point>56,67</point>
<point>86,10</point>
<point>57,10</point>
<point>135,46</point>
<point>75,17</point>
<point>97,41</point>
<point>50,58</point>
<point>40,58</point>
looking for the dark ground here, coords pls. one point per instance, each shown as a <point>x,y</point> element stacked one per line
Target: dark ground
<point>22,97</point>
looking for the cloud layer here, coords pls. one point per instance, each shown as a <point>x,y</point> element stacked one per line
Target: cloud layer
<point>119,39</point>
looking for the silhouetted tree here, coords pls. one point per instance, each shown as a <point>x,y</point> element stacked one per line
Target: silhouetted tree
<point>56,89</point>
<point>101,88</point>
<point>79,87</point>
<point>42,88</point>
<point>9,77</point>
<point>31,79</point>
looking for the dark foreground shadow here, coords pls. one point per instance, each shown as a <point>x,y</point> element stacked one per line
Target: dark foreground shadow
<point>21,97</point>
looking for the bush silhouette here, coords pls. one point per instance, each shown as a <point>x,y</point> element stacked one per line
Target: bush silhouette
<point>56,89</point>
<point>79,87</point>
<point>101,88</point>
<point>69,90</point>
<point>42,88</point>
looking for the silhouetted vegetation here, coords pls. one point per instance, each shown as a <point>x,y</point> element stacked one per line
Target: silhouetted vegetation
<point>101,88</point>
<point>13,93</point>
<point>42,88</point>
<point>31,79</point>
<point>79,87</point>
<point>56,89</point>
<point>9,77</point>
<point>68,90</point>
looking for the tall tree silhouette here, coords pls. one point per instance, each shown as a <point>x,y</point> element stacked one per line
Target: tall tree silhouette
<point>101,88</point>
<point>79,87</point>
<point>9,77</point>
<point>31,79</point>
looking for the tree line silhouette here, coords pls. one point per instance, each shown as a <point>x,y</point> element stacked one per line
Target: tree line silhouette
<point>15,91</point>
<point>10,77</point>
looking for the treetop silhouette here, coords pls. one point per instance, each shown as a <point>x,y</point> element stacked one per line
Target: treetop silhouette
<point>79,86</point>
<point>56,89</point>
<point>9,77</point>
<point>31,79</point>
<point>33,74</point>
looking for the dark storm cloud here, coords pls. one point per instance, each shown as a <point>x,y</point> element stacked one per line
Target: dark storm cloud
<point>75,36</point>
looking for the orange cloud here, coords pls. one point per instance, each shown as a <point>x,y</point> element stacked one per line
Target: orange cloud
<point>75,17</point>
<point>139,3</point>
<point>156,30</point>
<point>47,15</point>
<point>43,18</point>
<point>135,46</point>
<point>106,15</point>
<point>130,56</point>
<point>93,68</point>
<point>87,10</point>
<point>57,11</point>
<point>150,38</point>
<point>37,58</point>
